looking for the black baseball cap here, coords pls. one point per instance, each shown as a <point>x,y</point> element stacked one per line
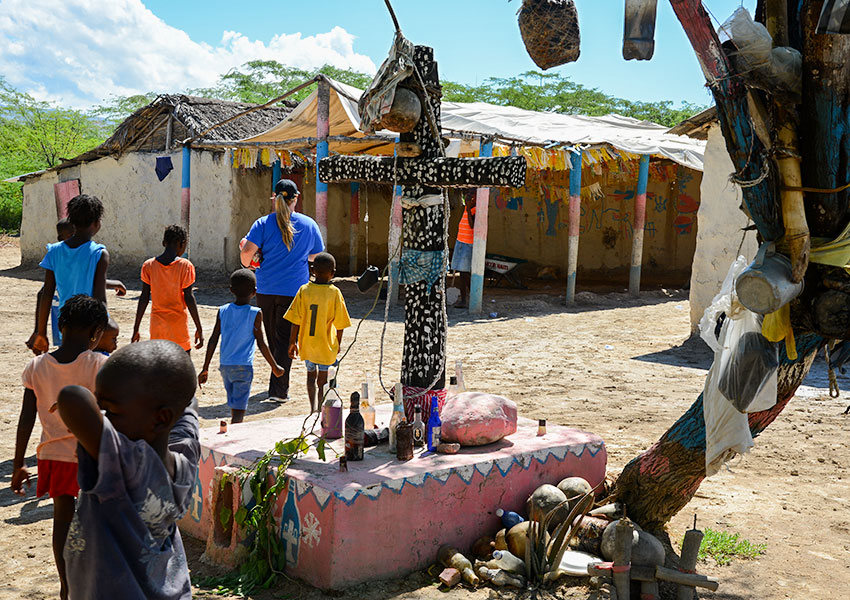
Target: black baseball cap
<point>286,188</point>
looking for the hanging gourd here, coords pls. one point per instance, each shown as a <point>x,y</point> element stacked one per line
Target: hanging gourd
<point>550,31</point>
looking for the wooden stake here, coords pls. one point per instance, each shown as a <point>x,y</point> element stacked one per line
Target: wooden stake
<point>688,560</point>
<point>623,533</point>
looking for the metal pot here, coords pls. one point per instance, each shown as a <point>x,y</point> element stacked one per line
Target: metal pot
<point>766,285</point>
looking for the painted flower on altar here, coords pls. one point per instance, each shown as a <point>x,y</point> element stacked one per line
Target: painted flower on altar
<point>312,532</point>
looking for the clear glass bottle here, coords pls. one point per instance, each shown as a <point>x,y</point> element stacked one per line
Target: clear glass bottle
<point>331,412</point>
<point>418,427</point>
<point>452,390</point>
<point>367,405</point>
<point>461,385</point>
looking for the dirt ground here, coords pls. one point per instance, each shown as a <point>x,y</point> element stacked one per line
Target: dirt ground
<point>622,368</point>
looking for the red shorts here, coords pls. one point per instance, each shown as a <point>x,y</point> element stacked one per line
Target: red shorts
<point>57,478</point>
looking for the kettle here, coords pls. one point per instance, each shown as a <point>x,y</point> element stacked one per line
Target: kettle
<point>766,285</point>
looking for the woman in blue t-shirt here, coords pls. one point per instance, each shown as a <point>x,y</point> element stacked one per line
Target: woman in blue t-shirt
<point>286,241</point>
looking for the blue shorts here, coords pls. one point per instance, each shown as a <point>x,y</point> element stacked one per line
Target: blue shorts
<point>311,366</point>
<point>237,383</point>
<point>462,257</point>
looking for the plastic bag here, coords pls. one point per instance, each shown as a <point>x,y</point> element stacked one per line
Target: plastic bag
<point>753,41</point>
<point>748,364</point>
<point>721,304</point>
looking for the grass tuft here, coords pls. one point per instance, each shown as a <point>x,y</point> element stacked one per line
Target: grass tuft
<point>723,547</point>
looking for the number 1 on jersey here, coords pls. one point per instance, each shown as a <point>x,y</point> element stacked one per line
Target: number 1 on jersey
<point>314,311</point>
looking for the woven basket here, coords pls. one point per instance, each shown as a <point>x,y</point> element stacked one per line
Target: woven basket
<point>550,31</point>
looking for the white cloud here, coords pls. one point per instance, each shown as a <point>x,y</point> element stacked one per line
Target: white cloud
<point>79,52</point>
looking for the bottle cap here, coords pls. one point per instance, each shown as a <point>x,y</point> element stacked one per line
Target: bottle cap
<point>417,408</point>
<point>497,554</point>
<point>499,512</point>
<point>453,380</point>
<point>542,422</point>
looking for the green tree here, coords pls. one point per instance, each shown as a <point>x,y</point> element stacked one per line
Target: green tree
<point>36,135</point>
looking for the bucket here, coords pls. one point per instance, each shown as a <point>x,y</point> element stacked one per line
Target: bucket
<point>369,278</point>
<point>766,285</point>
<point>550,31</point>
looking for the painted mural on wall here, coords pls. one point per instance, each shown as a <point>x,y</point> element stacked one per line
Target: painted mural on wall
<point>607,216</point>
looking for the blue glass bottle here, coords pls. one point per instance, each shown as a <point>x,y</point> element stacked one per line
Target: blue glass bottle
<point>432,429</point>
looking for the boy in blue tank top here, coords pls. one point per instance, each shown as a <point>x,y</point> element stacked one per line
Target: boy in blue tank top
<point>240,326</point>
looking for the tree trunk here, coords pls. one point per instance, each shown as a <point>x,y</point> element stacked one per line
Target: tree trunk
<point>658,483</point>
<point>662,480</point>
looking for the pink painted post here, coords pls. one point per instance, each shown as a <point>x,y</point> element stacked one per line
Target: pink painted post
<point>574,228</point>
<point>639,224</point>
<point>322,130</point>
<point>354,225</point>
<point>186,190</point>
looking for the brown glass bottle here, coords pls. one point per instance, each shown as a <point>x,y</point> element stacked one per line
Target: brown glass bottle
<point>354,430</point>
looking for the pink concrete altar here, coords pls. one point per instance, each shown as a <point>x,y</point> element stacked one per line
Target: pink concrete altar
<point>385,518</point>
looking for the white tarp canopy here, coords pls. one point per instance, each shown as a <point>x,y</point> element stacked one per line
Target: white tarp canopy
<point>501,122</point>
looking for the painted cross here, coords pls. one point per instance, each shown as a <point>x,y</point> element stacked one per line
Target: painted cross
<point>424,353</point>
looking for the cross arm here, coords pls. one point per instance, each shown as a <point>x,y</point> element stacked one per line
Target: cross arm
<point>506,171</point>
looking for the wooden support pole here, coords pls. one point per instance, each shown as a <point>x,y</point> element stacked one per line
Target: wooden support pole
<point>574,226</point>
<point>322,131</point>
<point>393,246</point>
<point>623,535</point>
<point>169,129</point>
<point>479,244</point>
<point>688,560</point>
<point>639,224</point>
<point>354,226</point>
<point>275,173</point>
<point>186,190</point>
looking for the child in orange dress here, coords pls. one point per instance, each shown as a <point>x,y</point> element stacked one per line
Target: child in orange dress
<point>82,320</point>
<point>167,281</point>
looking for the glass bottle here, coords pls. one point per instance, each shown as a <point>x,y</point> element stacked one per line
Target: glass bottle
<point>432,431</point>
<point>367,406</point>
<point>418,427</point>
<point>461,386</point>
<point>398,415</point>
<point>452,390</point>
<point>354,432</point>
<point>332,413</point>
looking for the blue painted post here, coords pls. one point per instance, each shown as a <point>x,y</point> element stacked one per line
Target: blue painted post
<point>186,190</point>
<point>275,173</point>
<point>479,244</point>
<point>574,226</point>
<point>639,225</point>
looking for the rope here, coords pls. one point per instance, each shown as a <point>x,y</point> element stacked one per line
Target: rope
<point>817,190</point>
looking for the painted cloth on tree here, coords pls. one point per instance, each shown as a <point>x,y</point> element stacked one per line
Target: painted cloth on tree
<point>123,541</point>
<point>283,270</point>
<point>319,310</point>
<point>46,376</point>
<point>169,316</point>
<point>422,265</point>
<point>417,396</point>
<point>73,268</point>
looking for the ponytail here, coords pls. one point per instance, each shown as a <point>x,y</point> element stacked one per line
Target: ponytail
<point>287,231</point>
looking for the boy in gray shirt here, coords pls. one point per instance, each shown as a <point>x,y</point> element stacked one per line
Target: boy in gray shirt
<point>137,467</point>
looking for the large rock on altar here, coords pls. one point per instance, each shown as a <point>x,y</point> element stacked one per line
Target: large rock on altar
<point>476,419</point>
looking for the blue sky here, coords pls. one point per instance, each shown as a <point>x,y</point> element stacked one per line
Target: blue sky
<point>129,46</point>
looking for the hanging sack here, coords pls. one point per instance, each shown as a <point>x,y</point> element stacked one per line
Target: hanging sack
<point>748,364</point>
<point>834,17</point>
<point>550,31</point>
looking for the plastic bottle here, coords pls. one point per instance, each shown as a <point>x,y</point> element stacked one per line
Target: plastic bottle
<point>398,415</point>
<point>354,433</point>
<point>461,386</point>
<point>331,412</point>
<point>367,405</point>
<point>450,557</point>
<point>506,561</point>
<point>509,518</point>
<point>432,430</point>
<point>418,427</point>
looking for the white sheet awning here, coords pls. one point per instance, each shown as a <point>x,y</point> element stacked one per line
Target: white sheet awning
<point>479,118</point>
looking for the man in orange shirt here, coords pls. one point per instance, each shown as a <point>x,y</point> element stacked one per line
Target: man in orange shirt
<point>462,253</point>
<point>167,281</point>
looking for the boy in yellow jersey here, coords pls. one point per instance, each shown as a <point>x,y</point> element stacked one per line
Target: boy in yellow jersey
<point>318,316</point>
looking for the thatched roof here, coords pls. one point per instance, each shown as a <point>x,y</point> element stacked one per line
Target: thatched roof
<point>146,129</point>
<point>697,126</point>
